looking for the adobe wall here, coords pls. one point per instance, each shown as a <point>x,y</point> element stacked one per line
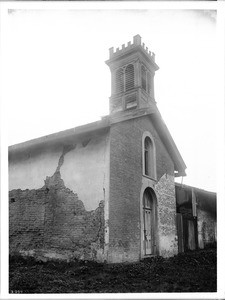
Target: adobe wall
<point>206,228</point>
<point>58,200</point>
<point>165,192</point>
<point>126,190</point>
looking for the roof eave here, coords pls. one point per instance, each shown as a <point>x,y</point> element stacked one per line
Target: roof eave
<point>73,133</point>
<point>164,133</point>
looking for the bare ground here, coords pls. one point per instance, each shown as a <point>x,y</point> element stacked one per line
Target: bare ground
<point>193,271</point>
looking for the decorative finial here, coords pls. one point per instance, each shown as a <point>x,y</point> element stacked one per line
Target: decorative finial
<point>137,39</point>
<point>111,51</point>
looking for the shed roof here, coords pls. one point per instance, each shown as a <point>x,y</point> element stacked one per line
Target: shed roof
<point>206,200</point>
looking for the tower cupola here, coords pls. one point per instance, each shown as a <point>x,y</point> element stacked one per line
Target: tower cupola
<point>132,76</point>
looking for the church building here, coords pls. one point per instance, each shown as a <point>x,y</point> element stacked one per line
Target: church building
<point>104,191</point>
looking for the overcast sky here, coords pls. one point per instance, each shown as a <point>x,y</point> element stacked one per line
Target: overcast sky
<point>56,77</point>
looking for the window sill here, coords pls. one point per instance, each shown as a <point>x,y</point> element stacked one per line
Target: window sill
<point>151,178</point>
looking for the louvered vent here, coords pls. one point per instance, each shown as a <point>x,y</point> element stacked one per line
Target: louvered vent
<point>131,101</point>
<point>119,81</point>
<point>143,78</point>
<point>129,77</point>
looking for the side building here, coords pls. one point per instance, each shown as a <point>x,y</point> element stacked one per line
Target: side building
<point>196,218</point>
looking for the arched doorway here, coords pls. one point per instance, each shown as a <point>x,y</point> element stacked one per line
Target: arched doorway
<point>149,222</point>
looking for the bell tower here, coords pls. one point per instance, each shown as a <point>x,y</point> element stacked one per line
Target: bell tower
<point>132,77</point>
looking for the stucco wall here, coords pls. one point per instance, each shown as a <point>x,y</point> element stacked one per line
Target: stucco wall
<point>58,197</point>
<point>126,184</point>
<point>84,169</point>
<point>28,170</point>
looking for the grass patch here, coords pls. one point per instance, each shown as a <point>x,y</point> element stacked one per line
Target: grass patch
<point>194,271</point>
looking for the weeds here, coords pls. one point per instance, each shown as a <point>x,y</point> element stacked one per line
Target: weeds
<point>193,271</point>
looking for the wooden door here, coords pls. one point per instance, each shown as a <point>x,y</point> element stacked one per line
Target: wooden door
<point>148,218</point>
<point>147,232</point>
<point>191,235</point>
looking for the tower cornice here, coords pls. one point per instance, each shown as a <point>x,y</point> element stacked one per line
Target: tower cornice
<point>131,48</point>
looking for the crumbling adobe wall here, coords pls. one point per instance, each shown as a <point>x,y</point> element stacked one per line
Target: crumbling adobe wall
<point>53,220</point>
<point>206,228</point>
<point>85,168</point>
<point>165,192</point>
<point>167,232</point>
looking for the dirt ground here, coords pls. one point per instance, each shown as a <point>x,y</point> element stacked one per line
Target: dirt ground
<point>193,271</point>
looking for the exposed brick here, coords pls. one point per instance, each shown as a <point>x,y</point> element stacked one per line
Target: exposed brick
<point>53,218</point>
<point>125,188</point>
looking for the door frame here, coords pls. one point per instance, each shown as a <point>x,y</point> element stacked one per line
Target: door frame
<point>149,188</point>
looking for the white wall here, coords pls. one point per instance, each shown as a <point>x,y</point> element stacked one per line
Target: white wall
<point>85,170</point>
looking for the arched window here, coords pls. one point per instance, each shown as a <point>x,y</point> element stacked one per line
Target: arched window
<point>149,165</point>
<point>147,199</point>
<point>129,77</point>
<point>143,77</point>
<point>119,81</point>
<point>148,83</point>
<point>147,158</point>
